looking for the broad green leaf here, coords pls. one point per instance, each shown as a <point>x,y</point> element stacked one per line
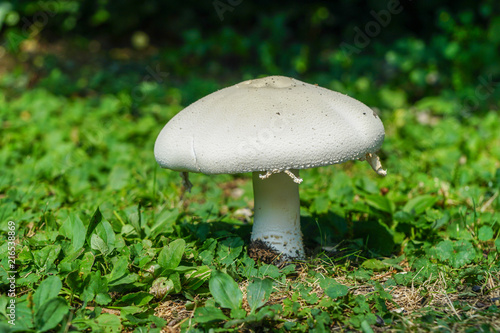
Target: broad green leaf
<point>238,313</point>
<point>23,315</point>
<point>50,314</point>
<point>183,269</point>
<point>75,282</point>
<point>458,253</point>
<point>134,218</point>
<point>258,292</point>
<point>208,314</point>
<point>120,268</point>
<point>374,264</point>
<point>176,279</point>
<point>327,282</point>
<point>70,262</point>
<point>106,323</point>
<point>105,231</point>
<point>138,299</point>
<point>485,233</point>
<point>381,203</point>
<point>87,263</point>
<point>362,304</point>
<point>159,322</point>
<point>307,295</point>
<point>361,274</point>
<point>266,312</point>
<point>6,210</point>
<point>94,221</point>
<point>207,257</point>
<point>97,243</point>
<point>73,229</point>
<point>130,309</point>
<point>124,280</point>
<point>225,291</point>
<point>419,204</point>
<point>97,287</point>
<point>48,289</point>
<point>196,278</point>
<point>229,249</point>
<point>164,222</point>
<point>4,302</point>
<point>45,258</point>
<point>464,253</point>
<point>365,327</point>
<point>289,269</point>
<point>248,269</point>
<point>269,270</point>
<point>170,256</point>
<point>102,298</point>
<point>443,250</point>
<point>337,290</point>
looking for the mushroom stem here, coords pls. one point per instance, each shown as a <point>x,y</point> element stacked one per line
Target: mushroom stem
<point>277,214</point>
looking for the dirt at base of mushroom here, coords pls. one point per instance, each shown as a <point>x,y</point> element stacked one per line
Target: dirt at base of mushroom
<point>263,253</point>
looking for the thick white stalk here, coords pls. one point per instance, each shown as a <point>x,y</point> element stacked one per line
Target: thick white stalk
<point>277,214</point>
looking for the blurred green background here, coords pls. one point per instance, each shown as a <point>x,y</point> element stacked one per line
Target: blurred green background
<point>389,54</point>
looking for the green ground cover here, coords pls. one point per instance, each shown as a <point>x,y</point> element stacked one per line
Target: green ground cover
<point>106,241</point>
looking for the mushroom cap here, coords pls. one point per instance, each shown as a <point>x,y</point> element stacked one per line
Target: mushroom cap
<point>274,123</point>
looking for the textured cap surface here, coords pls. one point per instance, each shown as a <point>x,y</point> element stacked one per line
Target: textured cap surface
<point>273,123</point>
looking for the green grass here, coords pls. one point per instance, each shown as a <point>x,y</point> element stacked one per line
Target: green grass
<point>107,241</point>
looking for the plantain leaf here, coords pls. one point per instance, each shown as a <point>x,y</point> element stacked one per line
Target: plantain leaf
<point>225,291</point>
<point>258,292</point>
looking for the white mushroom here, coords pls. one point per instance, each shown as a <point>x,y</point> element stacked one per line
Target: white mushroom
<point>272,127</point>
